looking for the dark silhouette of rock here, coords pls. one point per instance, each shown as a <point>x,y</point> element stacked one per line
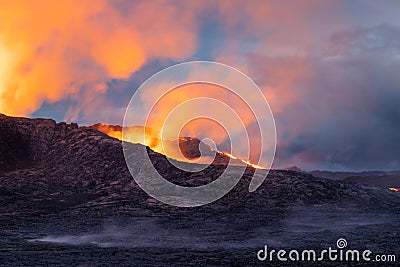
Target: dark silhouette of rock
<point>57,178</point>
<point>49,165</point>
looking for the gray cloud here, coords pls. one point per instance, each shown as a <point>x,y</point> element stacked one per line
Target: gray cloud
<point>343,110</point>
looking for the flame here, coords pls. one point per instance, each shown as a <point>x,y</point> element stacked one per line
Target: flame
<point>394,189</point>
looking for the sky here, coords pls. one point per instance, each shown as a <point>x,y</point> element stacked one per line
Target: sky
<point>329,69</point>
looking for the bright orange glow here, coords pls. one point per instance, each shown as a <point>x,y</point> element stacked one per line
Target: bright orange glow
<point>202,127</point>
<point>113,131</point>
<point>229,155</point>
<point>50,50</point>
<point>394,189</point>
<point>152,140</point>
<point>137,135</point>
<point>247,162</point>
<point>190,91</point>
<point>255,166</point>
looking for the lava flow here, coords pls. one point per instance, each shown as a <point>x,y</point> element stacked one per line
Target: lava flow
<point>248,163</point>
<point>133,134</point>
<point>394,189</point>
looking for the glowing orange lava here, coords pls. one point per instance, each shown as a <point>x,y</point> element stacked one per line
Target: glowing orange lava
<point>255,166</point>
<point>394,189</point>
<point>133,135</point>
<point>229,155</point>
<point>247,162</point>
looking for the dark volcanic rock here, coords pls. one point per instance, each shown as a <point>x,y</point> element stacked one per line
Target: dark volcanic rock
<point>385,181</point>
<point>13,149</point>
<point>58,179</point>
<point>58,166</point>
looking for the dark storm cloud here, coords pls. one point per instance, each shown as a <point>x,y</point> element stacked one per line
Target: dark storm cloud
<point>342,111</point>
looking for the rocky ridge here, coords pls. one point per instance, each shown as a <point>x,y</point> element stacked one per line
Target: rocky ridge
<point>59,166</point>
<point>58,178</point>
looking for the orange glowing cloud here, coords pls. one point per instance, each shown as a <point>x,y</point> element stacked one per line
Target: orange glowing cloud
<point>179,95</point>
<point>169,115</point>
<point>50,49</point>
